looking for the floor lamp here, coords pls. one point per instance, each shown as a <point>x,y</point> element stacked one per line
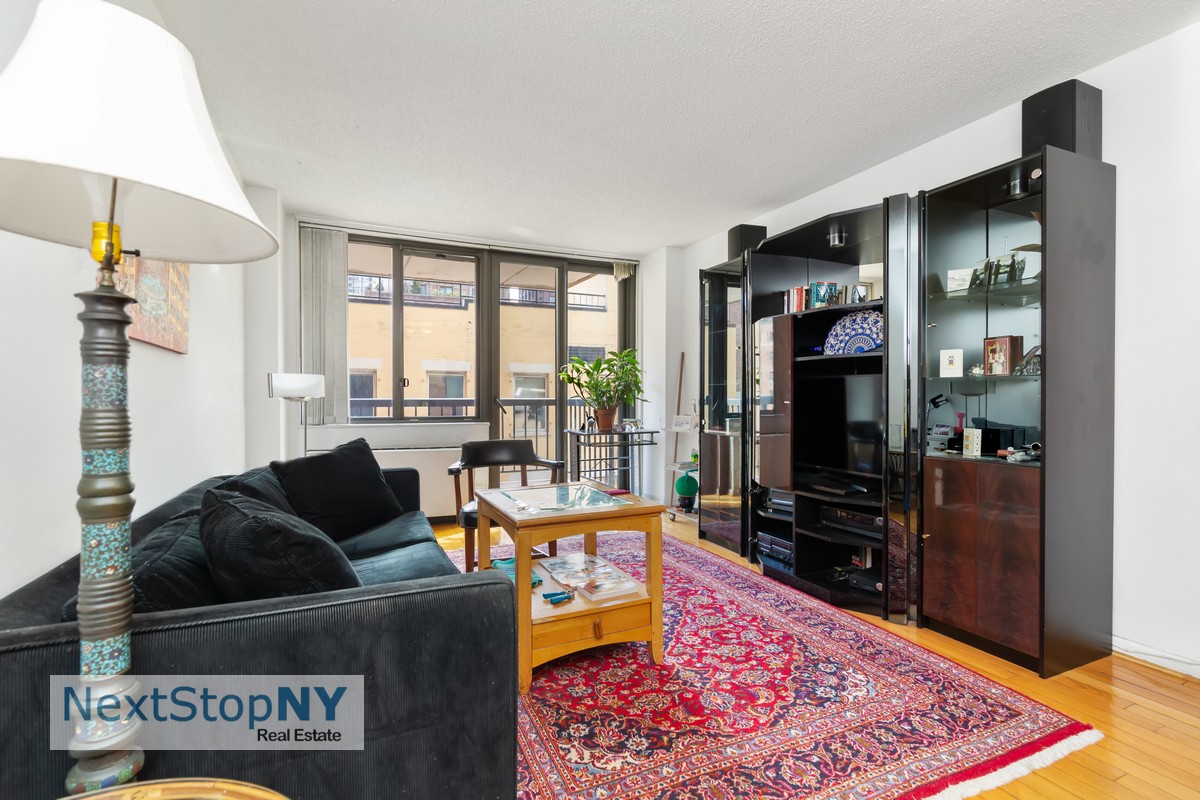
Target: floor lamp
<point>299,387</point>
<point>106,136</point>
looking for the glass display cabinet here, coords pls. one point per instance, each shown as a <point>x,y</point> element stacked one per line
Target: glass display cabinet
<point>722,497</point>
<point>1017,381</point>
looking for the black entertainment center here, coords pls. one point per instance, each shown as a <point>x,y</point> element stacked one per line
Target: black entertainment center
<point>953,467</point>
<point>820,453</point>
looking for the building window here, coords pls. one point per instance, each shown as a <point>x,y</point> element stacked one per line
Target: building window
<point>362,396</point>
<point>532,404</point>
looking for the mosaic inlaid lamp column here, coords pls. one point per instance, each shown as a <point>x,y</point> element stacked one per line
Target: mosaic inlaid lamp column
<point>106,137</point>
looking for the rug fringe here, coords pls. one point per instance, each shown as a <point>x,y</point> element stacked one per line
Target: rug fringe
<point>1019,769</point>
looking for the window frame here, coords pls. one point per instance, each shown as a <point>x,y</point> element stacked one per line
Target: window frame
<point>487,318</point>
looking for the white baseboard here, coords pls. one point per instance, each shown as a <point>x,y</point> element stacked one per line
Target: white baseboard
<point>1145,652</point>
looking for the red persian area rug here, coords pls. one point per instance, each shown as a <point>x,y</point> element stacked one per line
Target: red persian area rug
<point>766,692</point>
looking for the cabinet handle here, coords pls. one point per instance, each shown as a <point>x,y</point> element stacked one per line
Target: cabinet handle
<point>931,325</point>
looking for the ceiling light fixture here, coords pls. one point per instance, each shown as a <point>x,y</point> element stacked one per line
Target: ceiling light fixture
<point>837,238</point>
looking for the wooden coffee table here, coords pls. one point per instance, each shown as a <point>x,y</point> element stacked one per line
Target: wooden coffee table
<point>539,514</point>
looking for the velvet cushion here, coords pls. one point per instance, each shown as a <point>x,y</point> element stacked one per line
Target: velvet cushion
<point>169,570</point>
<point>422,560</point>
<point>255,550</point>
<point>407,529</point>
<point>342,492</point>
<point>262,484</point>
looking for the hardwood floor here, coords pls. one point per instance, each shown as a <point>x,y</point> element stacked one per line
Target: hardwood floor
<point>1150,717</point>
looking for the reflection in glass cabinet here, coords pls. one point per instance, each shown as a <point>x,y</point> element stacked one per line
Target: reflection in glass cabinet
<point>722,363</point>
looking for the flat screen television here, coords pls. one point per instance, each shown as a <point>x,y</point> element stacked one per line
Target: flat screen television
<point>839,424</point>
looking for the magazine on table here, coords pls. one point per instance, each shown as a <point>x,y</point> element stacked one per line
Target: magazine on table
<point>590,575</point>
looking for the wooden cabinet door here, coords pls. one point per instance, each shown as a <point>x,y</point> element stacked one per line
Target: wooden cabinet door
<point>1009,532</point>
<point>949,581</point>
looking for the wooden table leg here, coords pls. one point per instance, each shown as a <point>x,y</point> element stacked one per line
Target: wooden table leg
<point>589,543</point>
<point>483,532</point>
<point>469,549</point>
<point>524,574</point>
<point>654,585</point>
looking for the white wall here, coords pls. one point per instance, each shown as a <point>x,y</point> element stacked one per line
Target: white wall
<point>1151,131</point>
<point>186,409</point>
<point>263,284</point>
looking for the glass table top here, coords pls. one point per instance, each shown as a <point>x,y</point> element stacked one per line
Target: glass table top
<point>568,497</point>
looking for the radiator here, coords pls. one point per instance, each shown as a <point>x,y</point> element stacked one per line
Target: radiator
<point>437,488</point>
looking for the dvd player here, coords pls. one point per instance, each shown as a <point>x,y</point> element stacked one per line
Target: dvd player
<point>854,521</point>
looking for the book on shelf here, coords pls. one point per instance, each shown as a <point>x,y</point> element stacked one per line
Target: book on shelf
<point>590,575</point>
<point>795,299</point>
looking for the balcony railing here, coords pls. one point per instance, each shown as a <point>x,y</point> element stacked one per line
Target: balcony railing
<point>362,288</point>
<point>523,417</point>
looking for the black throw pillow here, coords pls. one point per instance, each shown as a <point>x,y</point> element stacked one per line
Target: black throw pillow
<point>256,551</point>
<point>342,492</point>
<point>260,483</point>
<point>169,570</point>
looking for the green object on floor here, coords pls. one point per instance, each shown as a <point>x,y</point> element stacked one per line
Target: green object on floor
<point>509,567</point>
<point>686,485</point>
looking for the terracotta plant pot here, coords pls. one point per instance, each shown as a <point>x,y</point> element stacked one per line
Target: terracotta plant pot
<point>605,417</point>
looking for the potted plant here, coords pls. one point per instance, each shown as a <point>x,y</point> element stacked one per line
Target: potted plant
<point>605,383</point>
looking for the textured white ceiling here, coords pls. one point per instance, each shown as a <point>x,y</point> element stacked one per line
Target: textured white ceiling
<point>618,125</point>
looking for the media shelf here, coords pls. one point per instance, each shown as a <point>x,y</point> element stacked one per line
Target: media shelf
<point>819,428</point>
<point>828,533</point>
<point>823,357</point>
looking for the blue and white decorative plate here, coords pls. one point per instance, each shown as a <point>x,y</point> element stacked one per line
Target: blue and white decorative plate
<point>857,332</point>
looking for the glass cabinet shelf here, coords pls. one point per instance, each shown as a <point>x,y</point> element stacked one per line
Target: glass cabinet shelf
<point>1027,292</point>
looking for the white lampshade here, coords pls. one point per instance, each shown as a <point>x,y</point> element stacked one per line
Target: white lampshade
<point>96,92</point>
<point>295,385</point>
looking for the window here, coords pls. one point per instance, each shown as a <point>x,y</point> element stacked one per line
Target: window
<point>362,396</point>
<point>444,387</point>
<point>435,314</point>
<point>394,326</point>
<point>532,404</point>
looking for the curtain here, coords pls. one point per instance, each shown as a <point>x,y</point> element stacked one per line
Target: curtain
<point>323,310</point>
<point>624,269</point>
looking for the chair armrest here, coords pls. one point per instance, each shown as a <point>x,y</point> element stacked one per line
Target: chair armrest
<point>439,661</point>
<point>545,462</point>
<point>405,483</point>
<point>456,468</point>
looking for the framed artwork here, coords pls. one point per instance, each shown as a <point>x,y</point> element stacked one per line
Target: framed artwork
<point>163,294</point>
<point>859,293</point>
<point>951,363</point>
<point>822,293</point>
<point>999,352</point>
<point>957,279</point>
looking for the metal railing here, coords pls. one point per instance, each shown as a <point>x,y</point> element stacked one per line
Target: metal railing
<point>363,288</point>
<point>523,418</point>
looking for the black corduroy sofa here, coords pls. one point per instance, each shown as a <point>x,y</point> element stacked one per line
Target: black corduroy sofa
<point>438,655</point>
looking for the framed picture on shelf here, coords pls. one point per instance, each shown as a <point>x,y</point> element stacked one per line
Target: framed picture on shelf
<point>999,352</point>
<point>822,293</point>
<point>957,279</point>
<point>858,293</point>
<point>980,276</point>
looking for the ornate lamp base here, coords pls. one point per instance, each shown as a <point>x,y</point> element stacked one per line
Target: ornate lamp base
<point>104,771</point>
<point>105,503</point>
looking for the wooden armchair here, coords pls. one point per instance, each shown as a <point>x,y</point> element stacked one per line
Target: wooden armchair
<point>493,453</point>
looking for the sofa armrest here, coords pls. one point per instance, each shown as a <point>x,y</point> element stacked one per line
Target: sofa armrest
<point>438,656</point>
<point>405,483</point>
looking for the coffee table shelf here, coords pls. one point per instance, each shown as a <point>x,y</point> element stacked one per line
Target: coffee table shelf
<point>544,631</point>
